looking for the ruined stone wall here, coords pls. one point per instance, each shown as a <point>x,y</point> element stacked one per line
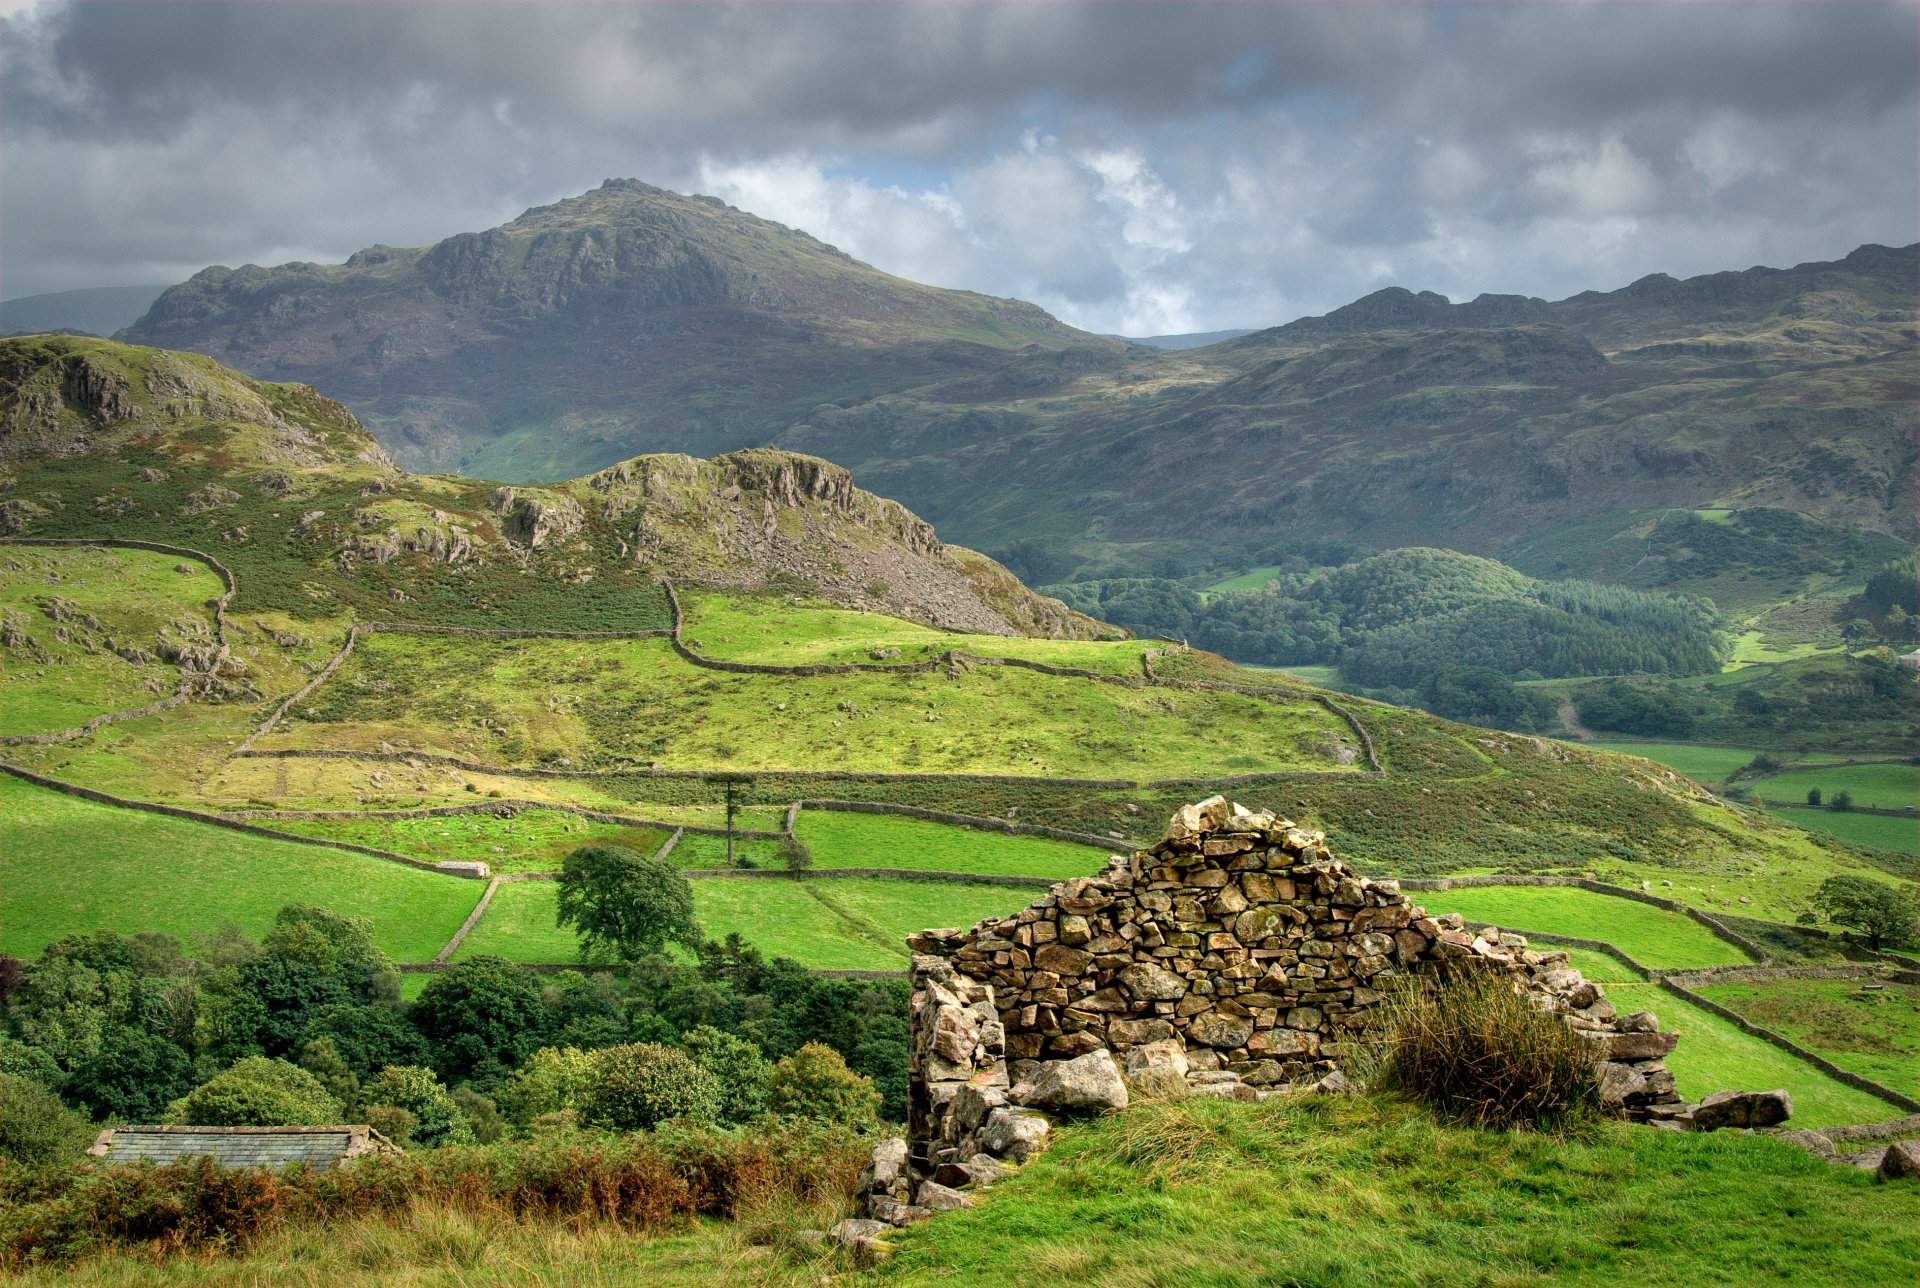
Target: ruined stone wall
<point>1237,957</point>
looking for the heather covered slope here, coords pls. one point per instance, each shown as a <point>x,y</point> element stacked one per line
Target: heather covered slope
<point>625,320</point>
<point>102,439</point>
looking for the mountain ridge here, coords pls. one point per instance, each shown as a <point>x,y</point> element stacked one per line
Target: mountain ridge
<point>630,319</point>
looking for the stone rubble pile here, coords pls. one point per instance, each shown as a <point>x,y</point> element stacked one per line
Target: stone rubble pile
<point>1235,958</point>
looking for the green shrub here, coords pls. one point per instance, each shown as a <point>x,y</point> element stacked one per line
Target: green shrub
<point>482,1115</point>
<point>815,1083</point>
<point>34,1126</point>
<point>736,1064</point>
<point>481,1013</point>
<point>641,1085</point>
<point>29,1062</point>
<point>438,1120</point>
<point>257,1092</point>
<point>1474,1051</point>
<point>396,1124</point>
<point>554,1080</point>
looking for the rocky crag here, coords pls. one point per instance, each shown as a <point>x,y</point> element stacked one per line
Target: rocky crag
<point>1235,958</point>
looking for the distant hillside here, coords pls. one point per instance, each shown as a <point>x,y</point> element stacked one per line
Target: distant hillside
<point>625,320</point>
<point>1403,419</point>
<point>101,310</point>
<point>99,438</point>
<point>1188,340</point>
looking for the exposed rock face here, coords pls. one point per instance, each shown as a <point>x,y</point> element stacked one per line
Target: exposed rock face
<point>538,519</point>
<point>766,519</point>
<point>1236,958</point>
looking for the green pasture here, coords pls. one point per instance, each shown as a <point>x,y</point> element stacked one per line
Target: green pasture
<point>1251,579</point>
<point>1702,764</point>
<point>1757,647</point>
<point>569,703</point>
<point>1596,966</point>
<point>1651,936</point>
<point>1881,786</point>
<point>1872,1032</point>
<point>533,840</point>
<point>702,850</point>
<point>782,632</point>
<point>853,923</point>
<point>1716,1055</point>
<point>840,840</point>
<point>1901,835</point>
<point>68,866</point>
<point>136,596</point>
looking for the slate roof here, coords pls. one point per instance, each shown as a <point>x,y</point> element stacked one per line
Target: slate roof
<point>318,1147</point>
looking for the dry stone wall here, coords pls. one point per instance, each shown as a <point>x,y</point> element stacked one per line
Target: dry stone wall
<point>1237,957</point>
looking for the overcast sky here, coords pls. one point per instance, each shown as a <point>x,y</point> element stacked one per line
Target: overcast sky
<point>1133,167</point>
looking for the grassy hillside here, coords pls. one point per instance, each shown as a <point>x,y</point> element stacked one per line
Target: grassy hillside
<point>565,703</point>
<point>69,866</point>
<point>82,632</point>
<point>1650,935</point>
<point>1868,1031</point>
<point>1213,1194</point>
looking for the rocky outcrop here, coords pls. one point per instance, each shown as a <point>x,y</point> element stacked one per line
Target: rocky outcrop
<point>537,519</point>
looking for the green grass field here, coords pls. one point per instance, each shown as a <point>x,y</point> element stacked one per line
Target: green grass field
<point>1874,1033</point>
<point>1702,764</point>
<point>1251,579</point>
<point>1875,786</point>
<point>854,923</point>
<point>534,840</point>
<point>136,596</point>
<point>563,702</point>
<point>1649,935</point>
<point>778,632</point>
<point>1901,835</point>
<point>68,866</point>
<point>840,840</point>
<point>1715,1055</point>
<point>1758,647</point>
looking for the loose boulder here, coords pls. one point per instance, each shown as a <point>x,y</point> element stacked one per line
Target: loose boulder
<point>1742,1109</point>
<point>1086,1084</point>
<point>1901,1161</point>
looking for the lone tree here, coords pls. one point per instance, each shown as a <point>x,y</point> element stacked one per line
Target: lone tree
<point>632,903</point>
<point>1843,799</point>
<point>1876,911</point>
<point>729,785</point>
<point>1813,795</point>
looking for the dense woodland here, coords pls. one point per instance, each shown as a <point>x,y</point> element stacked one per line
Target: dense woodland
<point>308,1025</point>
<point>1435,628</point>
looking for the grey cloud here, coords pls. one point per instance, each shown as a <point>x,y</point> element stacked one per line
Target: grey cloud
<point>1285,158</point>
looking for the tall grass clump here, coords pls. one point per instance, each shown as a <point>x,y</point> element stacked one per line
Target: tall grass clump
<point>1474,1051</point>
<point>56,1213</point>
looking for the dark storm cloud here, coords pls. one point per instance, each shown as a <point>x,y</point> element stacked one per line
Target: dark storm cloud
<point>1133,166</point>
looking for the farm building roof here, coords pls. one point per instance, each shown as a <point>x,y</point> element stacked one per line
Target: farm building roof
<point>318,1147</point>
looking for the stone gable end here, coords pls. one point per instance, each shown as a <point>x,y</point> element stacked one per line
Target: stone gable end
<point>1235,957</point>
